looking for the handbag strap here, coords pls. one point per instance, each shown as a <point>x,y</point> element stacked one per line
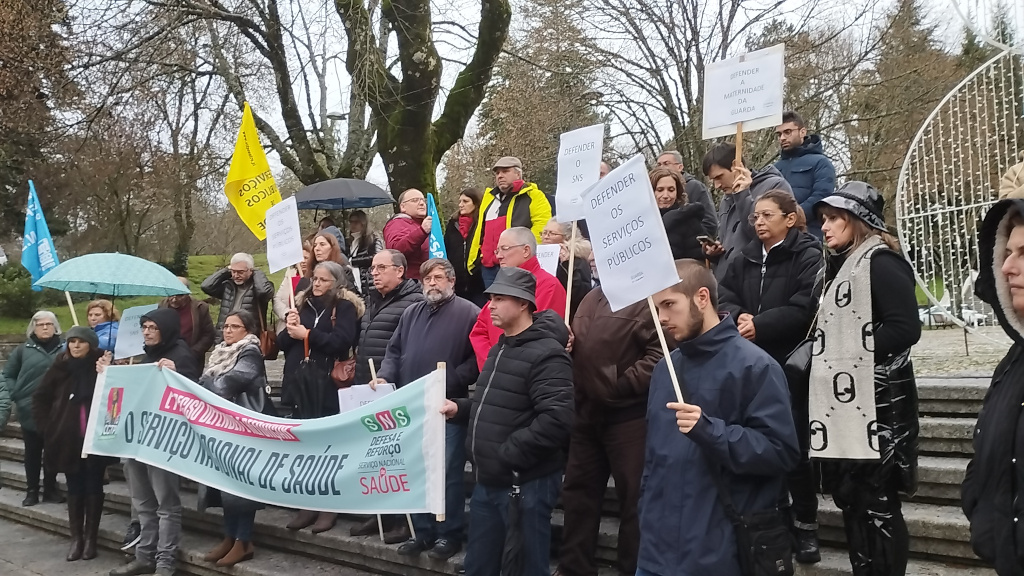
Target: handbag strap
<point>715,470</point>
<point>305,345</point>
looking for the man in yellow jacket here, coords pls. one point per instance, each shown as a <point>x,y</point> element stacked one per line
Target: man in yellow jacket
<point>512,202</point>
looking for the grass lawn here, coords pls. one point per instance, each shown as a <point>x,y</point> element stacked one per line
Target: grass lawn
<point>199,268</point>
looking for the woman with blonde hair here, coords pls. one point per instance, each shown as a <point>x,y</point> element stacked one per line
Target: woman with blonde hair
<point>103,318</point>
<point>560,233</point>
<point>863,417</point>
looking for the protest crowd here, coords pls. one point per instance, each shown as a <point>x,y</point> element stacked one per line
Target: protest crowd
<point>792,296</point>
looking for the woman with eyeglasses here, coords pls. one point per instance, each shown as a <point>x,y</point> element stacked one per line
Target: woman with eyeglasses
<point>325,321</point>
<point>235,371</point>
<point>560,233</point>
<point>771,290</point>
<point>683,221</point>
<point>22,373</point>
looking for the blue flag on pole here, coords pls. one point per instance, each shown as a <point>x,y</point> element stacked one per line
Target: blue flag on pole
<point>436,234</point>
<point>37,253</point>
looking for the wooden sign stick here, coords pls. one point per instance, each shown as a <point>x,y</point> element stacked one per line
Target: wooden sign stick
<point>569,275</point>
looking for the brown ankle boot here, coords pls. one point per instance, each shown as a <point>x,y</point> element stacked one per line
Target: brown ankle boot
<point>220,551</point>
<point>302,519</point>
<point>324,522</point>
<point>240,552</point>
<point>93,513</point>
<point>76,520</point>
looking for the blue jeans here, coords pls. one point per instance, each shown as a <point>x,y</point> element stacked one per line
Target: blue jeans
<point>427,528</point>
<point>238,525</point>
<point>488,518</point>
<point>489,273</point>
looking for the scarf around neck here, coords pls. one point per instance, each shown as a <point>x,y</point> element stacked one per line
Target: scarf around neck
<point>225,355</point>
<point>842,381</point>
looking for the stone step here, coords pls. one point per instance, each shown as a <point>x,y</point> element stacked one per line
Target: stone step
<point>267,562</point>
<point>946,436</point>
<point>951,396</point>
<point>837,563</point>
<point>334,546</point>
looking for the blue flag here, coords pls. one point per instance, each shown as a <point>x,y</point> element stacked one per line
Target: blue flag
<point>37,252</point>
<point>436,234</point>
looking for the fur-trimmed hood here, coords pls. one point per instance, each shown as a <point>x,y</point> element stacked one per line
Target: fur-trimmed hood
<point>991,285</point>
<point>340,293</point>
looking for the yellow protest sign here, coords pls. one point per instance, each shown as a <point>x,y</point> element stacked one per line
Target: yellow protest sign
<point>250,186</point>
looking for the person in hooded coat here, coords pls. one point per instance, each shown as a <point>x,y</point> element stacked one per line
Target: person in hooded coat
<point>324,325</point>
<point>155,492</point>
<point>772,288</point>
<point>61,407</point>
<point>866,326</point>
<point>992,490</point>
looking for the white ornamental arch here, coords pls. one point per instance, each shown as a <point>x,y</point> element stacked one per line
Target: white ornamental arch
<point>951,176</point>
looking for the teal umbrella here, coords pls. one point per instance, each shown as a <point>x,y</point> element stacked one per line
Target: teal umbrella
<point>112,275</point>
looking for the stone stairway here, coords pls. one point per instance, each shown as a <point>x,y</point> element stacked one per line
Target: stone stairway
<point>939,531</point>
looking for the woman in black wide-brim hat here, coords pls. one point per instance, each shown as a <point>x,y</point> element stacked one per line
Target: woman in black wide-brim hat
<point>863,398</point>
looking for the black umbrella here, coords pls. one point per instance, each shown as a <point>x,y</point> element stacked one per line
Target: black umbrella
<point>512,556</point>
<point>341,194</point>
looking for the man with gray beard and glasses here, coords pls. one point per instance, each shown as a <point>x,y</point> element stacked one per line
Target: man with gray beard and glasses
<point>437,330</point>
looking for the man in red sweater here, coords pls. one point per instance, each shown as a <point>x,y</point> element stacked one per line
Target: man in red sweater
<point>517,248</point>
<point>409,230</point>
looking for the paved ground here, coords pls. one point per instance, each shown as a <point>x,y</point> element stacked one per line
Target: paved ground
<point>946,351</point>
<point>26,551</point>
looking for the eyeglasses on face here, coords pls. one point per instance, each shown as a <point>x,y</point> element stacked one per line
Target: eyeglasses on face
<point>415,200</point>
<point>381,267</point>
<point>44,324</point>
<point>234,327</point>
<point>235,272</point>
<point>503,249</point>
<point>549,233</point>
<point>768,217</point>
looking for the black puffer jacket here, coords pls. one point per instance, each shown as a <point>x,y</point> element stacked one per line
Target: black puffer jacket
<point>683,223</point>
<point>521,413</point>
<point>781,293</point>
<point>379,323</point>
<point>994,485</point>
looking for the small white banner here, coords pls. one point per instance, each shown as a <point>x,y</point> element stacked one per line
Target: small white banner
<point>129,332</point>
<point>360,395</point>
<point>547,257</point>
<point>579,168</point>
<point>631,249</point>
<point>284,237</point>
<point>745,89</point>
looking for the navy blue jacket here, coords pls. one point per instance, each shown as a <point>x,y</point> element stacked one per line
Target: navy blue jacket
<point>746,427</point>
<point>429,334</point>
<point>811,176</point>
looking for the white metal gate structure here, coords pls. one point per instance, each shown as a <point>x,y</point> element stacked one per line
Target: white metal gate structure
<point>951,176</point>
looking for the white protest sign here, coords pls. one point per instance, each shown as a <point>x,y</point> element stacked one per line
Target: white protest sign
<point>284,237</point>
<point>129,332</point>
<point>745,89</point>
<point>579,167</point>
<point>631,249</point>
<point>547,257</point>
<point>360,395</point>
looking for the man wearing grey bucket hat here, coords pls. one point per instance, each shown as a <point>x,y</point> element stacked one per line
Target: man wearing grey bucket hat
<point>519,420</point>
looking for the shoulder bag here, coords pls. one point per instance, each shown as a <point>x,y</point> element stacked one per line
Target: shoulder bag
<point>764,544</point>
<point>268,339</point>
<point>344,371</point>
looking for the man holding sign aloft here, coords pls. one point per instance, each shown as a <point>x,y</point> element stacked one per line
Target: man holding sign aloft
<point>730,441</point>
